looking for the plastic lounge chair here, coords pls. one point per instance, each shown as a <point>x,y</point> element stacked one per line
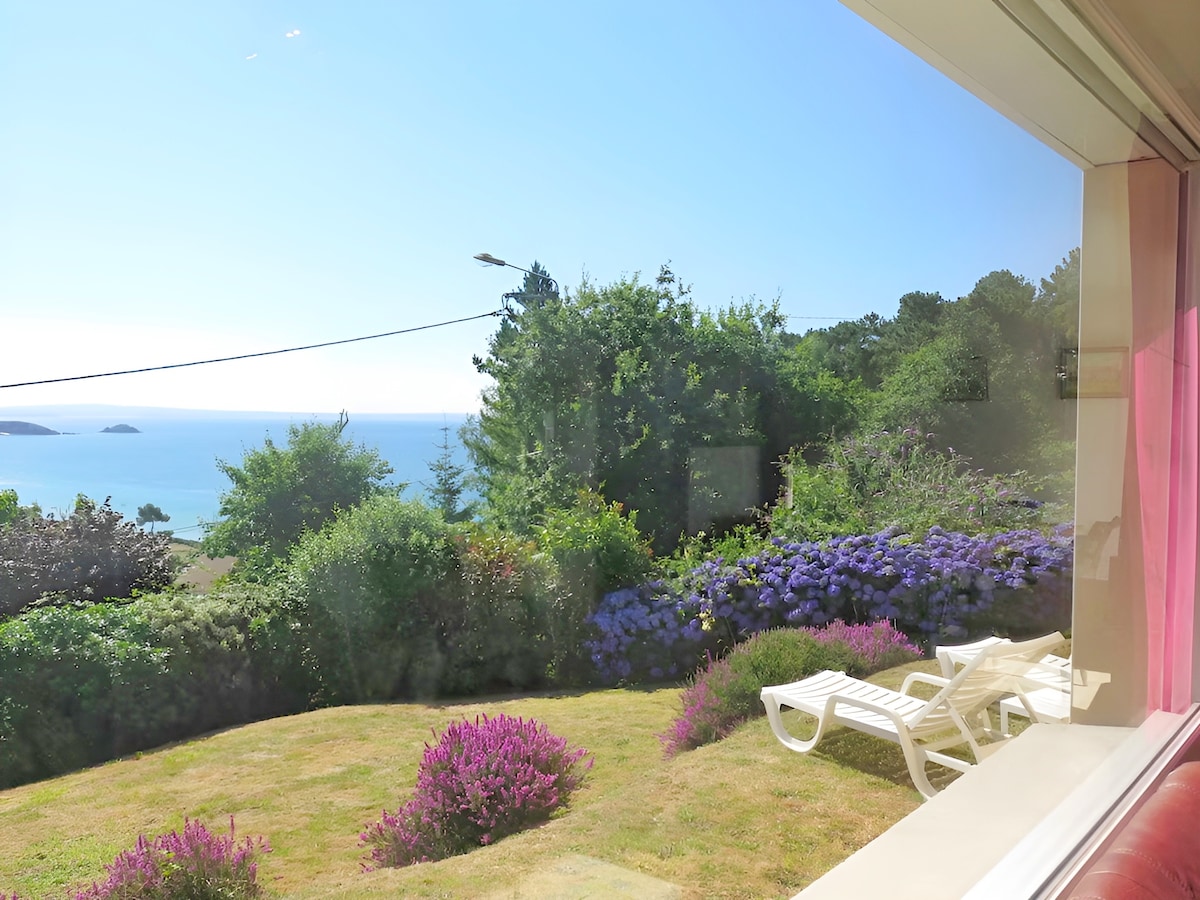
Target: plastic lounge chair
<point>1052,670</point>
<point>1048,694</point>
<point>955,715</point>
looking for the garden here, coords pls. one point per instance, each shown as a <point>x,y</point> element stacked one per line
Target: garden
<point>536,658</point>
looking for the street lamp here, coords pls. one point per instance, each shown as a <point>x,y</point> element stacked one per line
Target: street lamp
<point>495,261</point>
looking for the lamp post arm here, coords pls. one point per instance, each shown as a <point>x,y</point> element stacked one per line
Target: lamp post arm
<point>495,261</point>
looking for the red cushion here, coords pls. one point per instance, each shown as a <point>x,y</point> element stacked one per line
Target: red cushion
<point>1156,856</point>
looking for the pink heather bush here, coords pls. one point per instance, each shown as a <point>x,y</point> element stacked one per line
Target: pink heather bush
<point>725,692</point>
<point>878,644</point>
<point>194,865</point>
<point>481,782</point>
<point>704,718</point>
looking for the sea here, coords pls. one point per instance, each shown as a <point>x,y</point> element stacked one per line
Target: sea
<point>172,461</point>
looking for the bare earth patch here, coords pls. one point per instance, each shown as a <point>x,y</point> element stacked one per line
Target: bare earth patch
<point>198,571</point>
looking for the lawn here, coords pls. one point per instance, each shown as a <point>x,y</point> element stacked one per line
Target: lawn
<point>741,818</point>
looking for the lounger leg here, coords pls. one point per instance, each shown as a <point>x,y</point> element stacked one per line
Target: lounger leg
<point>775,717</point>
<point>916,757</point>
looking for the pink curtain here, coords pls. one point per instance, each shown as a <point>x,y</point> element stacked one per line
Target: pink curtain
<point>1164,446</point>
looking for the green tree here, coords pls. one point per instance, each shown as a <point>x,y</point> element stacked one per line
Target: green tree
<point>850,349</point>
<point>916,324</point>
<point>149,513</point>
<point>11,509</point>
<point>621,389</point>
<point>278,493</point>
<point>1060,294</point>
<point>449,483</point>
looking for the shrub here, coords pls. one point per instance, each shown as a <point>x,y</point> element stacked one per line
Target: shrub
<point>496,626</point>
<point>877,645</point>
<point>480,782</point>
<point>279,493</point>
<point>80,685</point>
<point>725,693</point>
<point>194,865</point>
<point>945,585</point>
<point>597,549</point>
<point>371,585</point>
<point>91,555</point>
<point>899,480</point>
<point>692,552</point>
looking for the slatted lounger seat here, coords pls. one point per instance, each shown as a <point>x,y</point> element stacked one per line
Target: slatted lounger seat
<point>955,715</point>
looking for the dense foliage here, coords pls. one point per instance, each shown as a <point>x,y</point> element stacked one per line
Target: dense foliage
<point>479,783</point>
<point>193,865</point>
<point>898,480</point>
<point>981,372</point>
<point>92,554</point>
<point>596,549</point>
<point>278,493</point>
<point>80,685</point>
<point>945,585</point>
<point>725,692</point>
<point>371,585</point>
<point>681,414</point>
<point>628,386</point>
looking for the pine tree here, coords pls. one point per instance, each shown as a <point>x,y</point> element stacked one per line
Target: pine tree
<point>448,482</point>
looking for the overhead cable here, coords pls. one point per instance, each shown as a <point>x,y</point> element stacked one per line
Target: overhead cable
<point>205,362</point>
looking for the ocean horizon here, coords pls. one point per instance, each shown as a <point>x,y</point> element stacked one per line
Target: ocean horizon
<point>172,461</point>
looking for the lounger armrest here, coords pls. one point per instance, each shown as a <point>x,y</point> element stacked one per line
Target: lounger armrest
<point>834,699</point>
<point>913,677</point>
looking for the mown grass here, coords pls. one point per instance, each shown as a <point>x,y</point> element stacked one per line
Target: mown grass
<point>741,818</point>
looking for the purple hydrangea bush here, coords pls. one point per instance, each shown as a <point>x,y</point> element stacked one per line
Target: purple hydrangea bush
<point>942,586</point>
<point>193,865</point>
<point>480,782</point>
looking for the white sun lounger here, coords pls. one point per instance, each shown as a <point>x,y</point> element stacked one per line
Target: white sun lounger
<point>955,715</point>
<point>1049,703</point>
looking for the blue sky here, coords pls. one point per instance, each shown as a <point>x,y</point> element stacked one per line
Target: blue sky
<point>180,181</point>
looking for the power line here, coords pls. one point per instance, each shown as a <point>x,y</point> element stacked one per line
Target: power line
<point>205,362</point>
<point>829,318</point>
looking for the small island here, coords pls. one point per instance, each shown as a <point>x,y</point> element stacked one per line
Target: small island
<point>120,429</point>
<point>12,428</point>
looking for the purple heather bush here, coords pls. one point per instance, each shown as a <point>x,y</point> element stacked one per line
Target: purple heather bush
<point>705,718</point>
<point>480,782</point>
<point>943,586</point>
<point>878,645</point>
<point>194,865</point>
<point>725,692</point>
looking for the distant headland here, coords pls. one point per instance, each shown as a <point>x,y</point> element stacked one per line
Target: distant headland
<point>11,428</point>
<point>24,428</point>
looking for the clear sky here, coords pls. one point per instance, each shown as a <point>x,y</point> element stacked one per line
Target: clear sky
<point>181,181</point>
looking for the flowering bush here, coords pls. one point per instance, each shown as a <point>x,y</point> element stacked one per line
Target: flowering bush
<point>875,645</point>
<point>725,693</point>
<point>480,782</point>
<point>704,718</point>
<point>946,584</point>
<point>194,865</point>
